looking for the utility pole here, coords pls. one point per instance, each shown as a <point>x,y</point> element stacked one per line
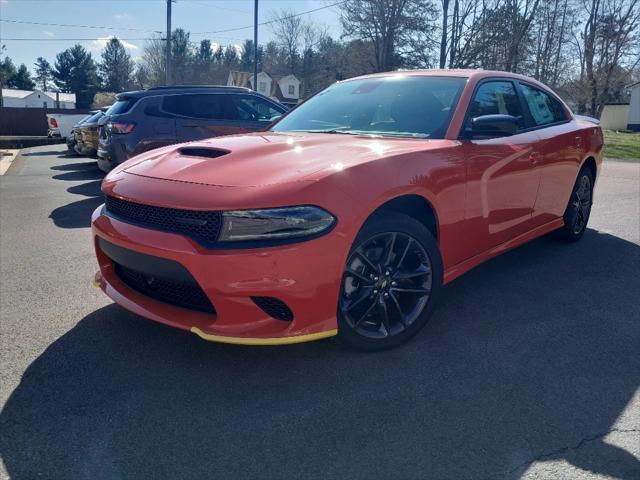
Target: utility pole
<point>255,45</point>
<point>167,79</point>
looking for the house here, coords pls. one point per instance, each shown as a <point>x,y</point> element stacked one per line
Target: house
<point>633,121</point>
<point>36,99</point>
<point>286,89</point>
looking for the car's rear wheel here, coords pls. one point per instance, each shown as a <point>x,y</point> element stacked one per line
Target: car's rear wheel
<point>578,210</point>
<point>390,283</point>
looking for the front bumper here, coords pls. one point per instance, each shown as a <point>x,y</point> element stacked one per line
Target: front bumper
<point>305,276</point>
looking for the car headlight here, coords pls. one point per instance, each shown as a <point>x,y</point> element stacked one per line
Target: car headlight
<point>274,223</point>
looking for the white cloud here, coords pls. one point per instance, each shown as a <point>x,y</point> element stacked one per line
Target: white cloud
<point>99,44</point>
<point>123,16</point>
<point>48,33</point>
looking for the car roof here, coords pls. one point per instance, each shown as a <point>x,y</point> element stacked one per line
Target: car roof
<point>464,73</point>
<point>179,89</point>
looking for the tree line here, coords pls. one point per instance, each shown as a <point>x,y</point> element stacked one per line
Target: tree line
<point>587,50</point>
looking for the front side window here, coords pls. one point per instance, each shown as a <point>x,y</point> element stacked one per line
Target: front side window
<point>393,106</point>
<point>544,109</point>
<point>252,108</point>
<point>495,98</point>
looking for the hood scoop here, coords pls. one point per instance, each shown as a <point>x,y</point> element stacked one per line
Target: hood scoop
<point>202,152</point>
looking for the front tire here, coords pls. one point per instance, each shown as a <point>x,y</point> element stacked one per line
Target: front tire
<point>576,215</point>
<point>390,283</point>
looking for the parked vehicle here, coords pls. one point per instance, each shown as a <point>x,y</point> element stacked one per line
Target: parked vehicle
<point>86,136</point>
<point>147,119</point>
<point>349,214</point>
<point>61,124</point>
<point>71,138</point>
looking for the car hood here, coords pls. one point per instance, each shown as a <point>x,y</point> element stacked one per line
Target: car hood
<point>268,158</point>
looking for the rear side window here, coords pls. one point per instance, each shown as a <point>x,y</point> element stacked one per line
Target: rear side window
<point>121,106</point>
<point>202,106</point>
<point>494,98</point>
<point>544,108</point>
<point>253,108</point>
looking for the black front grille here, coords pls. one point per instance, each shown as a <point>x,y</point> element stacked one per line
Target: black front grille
<point>181,294</point>
<point>274,308</point>
<point>203,226</point>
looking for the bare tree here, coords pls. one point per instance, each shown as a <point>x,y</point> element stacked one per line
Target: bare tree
<point>609,39</point>
<point>386,24</point>
<point>290,30</point>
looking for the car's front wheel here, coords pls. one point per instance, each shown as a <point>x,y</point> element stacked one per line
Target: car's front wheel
<point>578,210</point>
<point>390,283</point>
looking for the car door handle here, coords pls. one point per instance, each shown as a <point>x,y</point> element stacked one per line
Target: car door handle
<point>579,142</point>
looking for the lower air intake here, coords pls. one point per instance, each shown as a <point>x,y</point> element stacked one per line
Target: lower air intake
<point>274,308</point>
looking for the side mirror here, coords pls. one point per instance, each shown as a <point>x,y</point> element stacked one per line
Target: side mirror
<point>494,126</point>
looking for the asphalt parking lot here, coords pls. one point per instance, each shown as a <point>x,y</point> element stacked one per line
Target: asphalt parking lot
<point>530,367</point>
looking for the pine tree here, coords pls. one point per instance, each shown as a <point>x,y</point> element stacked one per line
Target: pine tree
<point>22,79</point>
<point>75,72</point>
<point>43,73</point>
<point>117,67</point>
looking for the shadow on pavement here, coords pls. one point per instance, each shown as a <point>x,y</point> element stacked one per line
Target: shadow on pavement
<point>78,214</point>
<point>527,358</point>
<point>42,153</point>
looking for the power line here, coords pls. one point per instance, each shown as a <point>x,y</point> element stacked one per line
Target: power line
<point>77,26</point>
<point>69,39</point>
<point>271,21</point>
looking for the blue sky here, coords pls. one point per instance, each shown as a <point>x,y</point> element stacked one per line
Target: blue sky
<point>134,20</point>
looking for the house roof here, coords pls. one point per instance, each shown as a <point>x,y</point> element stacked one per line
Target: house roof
<point>14,93</point>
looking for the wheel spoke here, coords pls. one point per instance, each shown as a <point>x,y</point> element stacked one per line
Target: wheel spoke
<point>384,320</point>
<point>364,257</point>
<point>393,242</point>
<point>351,272</point>
<point>397,304</point>
<point>420,272</point>
<point>404,254</point>
<point>364,294</point>
<point>423,291</point>
<point>364,315</point>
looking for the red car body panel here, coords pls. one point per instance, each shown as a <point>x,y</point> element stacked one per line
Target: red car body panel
<point>488,196</point>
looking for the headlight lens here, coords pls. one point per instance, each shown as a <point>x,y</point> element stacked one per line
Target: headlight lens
<point>274,223</point>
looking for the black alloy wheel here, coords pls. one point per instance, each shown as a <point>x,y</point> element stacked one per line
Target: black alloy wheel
<point>391,276</point>
<point>578,210</point>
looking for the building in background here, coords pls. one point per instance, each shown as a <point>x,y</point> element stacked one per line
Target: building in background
<point>633,123</point>
<point>286,89</point>
<point>36,99</point>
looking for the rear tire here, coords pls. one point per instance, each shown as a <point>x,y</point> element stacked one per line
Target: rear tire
<point>390,283</point>
<point>576,215</point>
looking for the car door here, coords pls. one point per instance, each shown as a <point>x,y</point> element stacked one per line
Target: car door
<point>561,150</point>
<point>502,173</point>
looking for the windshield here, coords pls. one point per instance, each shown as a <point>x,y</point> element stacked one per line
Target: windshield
<point>394,106</point>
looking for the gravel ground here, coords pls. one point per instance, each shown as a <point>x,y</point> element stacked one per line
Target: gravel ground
<point>529,369</point>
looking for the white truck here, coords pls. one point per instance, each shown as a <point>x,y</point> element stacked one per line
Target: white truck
<point>60,124</point>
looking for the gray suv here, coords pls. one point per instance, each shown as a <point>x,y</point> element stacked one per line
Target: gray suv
<point>147,119</point>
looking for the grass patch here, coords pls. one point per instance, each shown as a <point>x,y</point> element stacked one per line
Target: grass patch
<point>625,146</point>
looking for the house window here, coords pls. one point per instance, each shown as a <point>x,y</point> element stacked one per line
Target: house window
<point>262,86</point>
<point>292,89</point>
<point>44,104</point>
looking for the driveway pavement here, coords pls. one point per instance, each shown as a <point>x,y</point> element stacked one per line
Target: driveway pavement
<point>529,369</point>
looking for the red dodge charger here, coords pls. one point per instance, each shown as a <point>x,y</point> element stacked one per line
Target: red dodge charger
<point>350,213</point>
